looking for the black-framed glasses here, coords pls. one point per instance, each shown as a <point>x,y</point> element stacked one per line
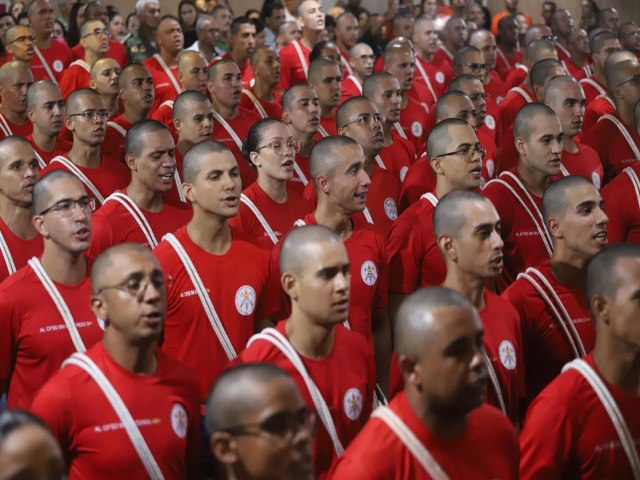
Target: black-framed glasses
<point>549,38</point>
<point>92,114</point>
<point>635,80</point>
<point>475,67</point>
<point>368,119</point>
<point>284,425</point>
<point>67,206</point>
<point>281,147</point>
<point>23,39</point>
<point>98,31</point>
<point>136,284</point>
<point>466,151</point>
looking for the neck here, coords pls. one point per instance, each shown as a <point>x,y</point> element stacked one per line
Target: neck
<point>441,425</point>
<point>17,218</point>
<point>569,266</point>
<point>309,339</point>
<point>426,56</point>
<point>111,103</point>
<point>208,51</point>
<point>443,187</point>
<point>275,188</point>
<point>310,37</point>
<point>170,58</point>
<point>240,58</point>
<point>45,142</point>
<point>405,100</point>
<point>91,57</point>
<point>43,40</point>
<point>143,197</point>
<point>17,118</point>
<point>508,48</point>
<point>625,112</point>
<point>184,145</point>
<point>536,182</point>
<point>333,217</point>
<point>263,91</point>
<point>228,112</point>
<point>133,115</point>
<point>139,358</point>
<point>471,286</point>
<point>327,111</point>
<point>388,134</point>
<point>579,58</point>
<point>449,46</point>
<point>598,73</point>
<point>210,232</point>
<point>617,362</point>
<point>306,142</point>
<point>85,155</point>
<point>67,268</point>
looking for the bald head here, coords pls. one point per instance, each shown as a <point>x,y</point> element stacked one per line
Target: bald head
<point>316,68</point>
<point>479,37</point>
<point>453,104</point>
<point>449,217</point>
<point>185,102</point>
<point>40,90</point>
<point>616,57</point>
<point>326,155</point>
<point>391,54</point>
<point>135,70</point>
<point>41,195</point>
<point>187,59</point>
<point>345,112</point>
<point>77,96</point>
<point>539,50</point>
<point>215,66</point>
<point>372,82</point>
<point>192,158</point>
<point>536,32</point>
<point>300,243</point>
<point>102,268</point>
<point>15,32</point>
<point>603,270</point>
<point>555,200</point>
<point>360,49</point>
<point>260,54</point>
<point>10,70</point>
<point>440,136</point>
<point>526,119</point>
<point>101,65</point>
<point>621,72</point>
<point>558,87</point>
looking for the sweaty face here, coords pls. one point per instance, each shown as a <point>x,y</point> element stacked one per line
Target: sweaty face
<point>364,128</point>
<point>569,106</point>
<point>244,41</point>
<point>155,165</point>
<point>275,156</point>
<point>304,113</point>
<point>347,31</point>
<point>197,124</point>
<point>19,172</point>
<point>193,74</point>
<point>217,186</point>
<point>88,120</point>
<point>312,16</point>
<point>543,149</point>
<point>463,169</point>
<point>349,183</point>
<point>105,79</point>
<point>31,451</point>
<point>14,91</point>
<point>388,98</point>
<point>402,65</point>
<point>329,86</point>
<point>138,90</point>
<point>226,87</point>
<point>47,114</point>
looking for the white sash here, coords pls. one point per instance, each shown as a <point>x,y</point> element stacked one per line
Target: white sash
<point>430,197</point>
<point>6,253</point>
<point>263,221</point>
<point>540,283</point>
<point>413,444</point>
<point>256,102</point>
<point>587,71</point>
<point>594,84</point>
<point>205,300</point>
<point>426,78</point>
<point>608,99</point>
<point>367,215</point>
<point>625,133</point>
<point>117,128</point>
<point>503,57</point>
<point>4,126</point>
<point>228,128</point>
<point>446,52</point>
<point>524,94</point>
<point>609,404</point>
<point>564,50</point>
<point>322,131</point>
<point>169,73</point>
<point>59,302</point>
<point>346,65</point>
<point>380,162</point>
<point>44,63</point>
<point>274,337</point>
<point>399,129</point>
<point>137,215</point>
<point>83,64</point>
<point>635,181</point>
<point>539,221</point>
<point>356,82</point>
<point>41,161</point>
<point>495,383</point>
<point>564,171</point>
<point>133,432</point>
<point>301,57</point>
<point>299,223</point>
<point>81,176</point>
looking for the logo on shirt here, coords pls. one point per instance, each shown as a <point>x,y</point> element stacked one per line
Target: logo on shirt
<point>246,300</point>
<point>403,173</point>
<point>390,208</point>
<point>490,122</point>
<point>369,272</point>
<point>507,354</point>
<point>101,323</point>
<point>352,403</point>
<point>439,77</point>
<point>58,66</point>
<point>595,179</point>
<point>179,420</point>
<point>490,167</point>
<point>416,129</point>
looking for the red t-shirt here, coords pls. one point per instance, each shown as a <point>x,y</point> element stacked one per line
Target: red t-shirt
<point>58,57</point>
<point>164,405</point>
<point>419,180</point>
<point>495,88</point>
<point>291,68</point>
<point>421,94</point>
<point>329,125</point>
<point>610,145</point>
<point>546,348</point>
<point>586,163</point>
<point>490,124</point>
<point>113,224</point>
<point>272,109</point>
<point>488,448</point>
<point>110,176</point>
<point>241,125</point>
<point>61,148</point>
<point>437,77</point>
<point>164,115</point>
<point>74,77</point>
<point>34,340</point>
<point>574,70</point>
<point>443,60</point>
<point>600,106</point>
<point>113,145</point>
<point>592,89</point>
<point>568,433</point>
<point>351,87</point>
<point>23,130</point>
<point>21,250</point>
<point>399,156</point>
<point>523,246</point>
<point>516,76</point>
<point>491,158</point>
<point>623,208</point>
<point>511,105</point>
<point>345,378</point>
<point>279,216</point>
<point>413,119</point>
<point>162,83</point>
<point>116,51</point>
<point>504,62</point>
<point>238,283</point>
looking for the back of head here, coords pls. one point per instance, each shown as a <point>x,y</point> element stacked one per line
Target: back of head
<point>539,49</point>
<point>324,155</point>
<point>555,199</point>
<point>294,253</point>
<point>540,71</point>
<point>534,32</point>
<point>133,141</point>
<point>603,279</point>
<point>618,73</point>
<point>598,40</point>
<point>448,216</point>
<point>617,57</point>
<point>192,157</point>
<point>456,84</point>
<point>525,119</point>
<point>439,137</point>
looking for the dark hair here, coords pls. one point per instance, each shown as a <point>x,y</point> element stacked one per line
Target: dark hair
<point>237,22</point>
<point>258,24</point>
<point>268,7</point>
<point>187,2</point>
<point>316,52</point>
<point>255,137</point>
<point>73,32</point>
<point>133,142</point>
<point>11,420</point>
<point>3,49</point>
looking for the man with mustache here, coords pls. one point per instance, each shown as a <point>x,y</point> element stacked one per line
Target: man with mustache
<point>45,110</point>
<point>440,350</point>
<point>262,97</point>
<point>155,431</point>
<point>60,322</point>
<point>20,42</point>
<point>15,79</point>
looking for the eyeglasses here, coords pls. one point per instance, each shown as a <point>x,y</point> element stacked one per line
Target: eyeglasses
<point>475,67</point>
<point>92,114</point>
<point>466,151</point>
<point>283,425</point>
<point>67,207</point>
<point>24,39</point>
<point>635,80</point>
<point>549,38</point>
<point>280,147</point>
<point>368,119</point>
<point>99,31</point>
<point>137,283</point>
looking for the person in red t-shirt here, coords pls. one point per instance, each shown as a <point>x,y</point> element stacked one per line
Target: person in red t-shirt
<point>564,94</point>
<point>19,171</point>
<point>493,83</point>
<point>507,53</point>
<point>346,35</point>
<point>312,346</point>
<point>578,64</point>
<point>15,79</point>
<point>231,121</point>
<point>601,45</point>
<point>416,90</point>
<point>139,213</point>
<point>562,25</point>
<point>242,43</point>
<point>163,65</point>
<point>19,42</point>
<point>629,37</point>
<point>517,193</point>
<point>325,76</point>
<point>294,58</point>
<point>583,425</point>
<point>36,336</point>
<point>301,113</point>
<point>209,321</point>
<point>259,424</point>
<point>104,80</point>
<point>425,39</point>
<point>157,396</point>
<point>361,59</point>
<point>440,414</point>
<point>94,36</point>
<point>45,110</point>
<point>52,55</point>
<point>270,206</point>
<point>550,297</point>
<point>454,35</point>
<point>261,96</point>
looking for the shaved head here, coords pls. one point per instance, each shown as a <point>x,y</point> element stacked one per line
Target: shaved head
<point>133,142</point>
<point>40,87</point>
<point>186,59</point>
<point>390,53</point>
<point>440,138</point>
<point>449,216</point>
<point>539,50</point>
<point>74,99</point>
<point>598,40</point>
<point>345,110</point>
<point>536,32</point>
<point>41,196</point>
<point>557,88</point>
<point>315,68</point>
<point>555,200</point>
<point>101,269</point>
<point>9,69</point>
<point>213,69</point>
<point>133,70</point>
<point>541,70</point>
<point>360,49</point>
<point>448,105</point>
<point>324,155</point>
<point>526,118</point>
<point>298,243</point>
<point>184,102</point>
<point>621,72</point>
<point>372,81</point>
<point>289,96</point>
<point>191,159</point>
<point>603,278</point>
<point>616,57</point>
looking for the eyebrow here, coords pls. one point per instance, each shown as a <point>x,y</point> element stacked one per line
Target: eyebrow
<point>484,226</point>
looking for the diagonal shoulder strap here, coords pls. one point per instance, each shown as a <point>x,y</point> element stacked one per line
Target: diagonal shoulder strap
<point>6,254</point>
<point>635,181</point>
<point>263,221</point>
<point>137,215</point>
<point>78,173</point>
<point>44,63</point>
<point>625,133</point>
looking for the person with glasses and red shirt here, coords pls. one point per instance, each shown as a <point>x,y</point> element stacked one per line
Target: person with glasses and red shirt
<point>36,336</point>
<point>124,408</point>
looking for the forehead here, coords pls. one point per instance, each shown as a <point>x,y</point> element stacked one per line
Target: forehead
<point>195,107</point>
<point>348,154</point>
<point>459,102</point>
<point>19,75</point>
<point>628,273</point>
<point>246,27</point>
<point>217,161</point>
<point>138,72</point>
<point>578,194</point>
<point>570,90</point>
<point>304,93</point>
<point>330,71</point>
<point>151,6</point>
<point>471,86</point>
<point>545,125</point>
<point>387,83</point>
<point>160,139</point>
<point>453,322</point>
<point>168,25</point>
<point>347,21</point>
<point>95,24</point>
<point>266,53</point>
<point>226,69</point>
<point>15,151</point>
<point>65,188</point>
<point>478,212</point>
<point>89,101</point>
<point>194,59</point>
<point>309,5</point>
<point>107,64</point>
<point>125,262</point>
<point>278,129</point>
<point>474,57</point>
<point>360,107</point>
<point>48,93</point>
<point>321,255</point>
<point>461,134</point>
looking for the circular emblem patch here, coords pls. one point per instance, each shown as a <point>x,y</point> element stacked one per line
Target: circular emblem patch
<point>416,129</point>
<point>179,420</point>
<point>499,99</point>
<point>369,272</point>
<point>403,173</point>
<point>595,179</point>
<point>439,77</point>
<point>490,122</point>
<point>507,354</point>
<point>490,168</point>
<point>246,300</point>
<point>352,403</point>
<point>58,66</point>
<point>390,208</point>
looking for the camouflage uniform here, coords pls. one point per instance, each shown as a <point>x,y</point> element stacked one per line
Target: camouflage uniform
<point>139,48</point>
